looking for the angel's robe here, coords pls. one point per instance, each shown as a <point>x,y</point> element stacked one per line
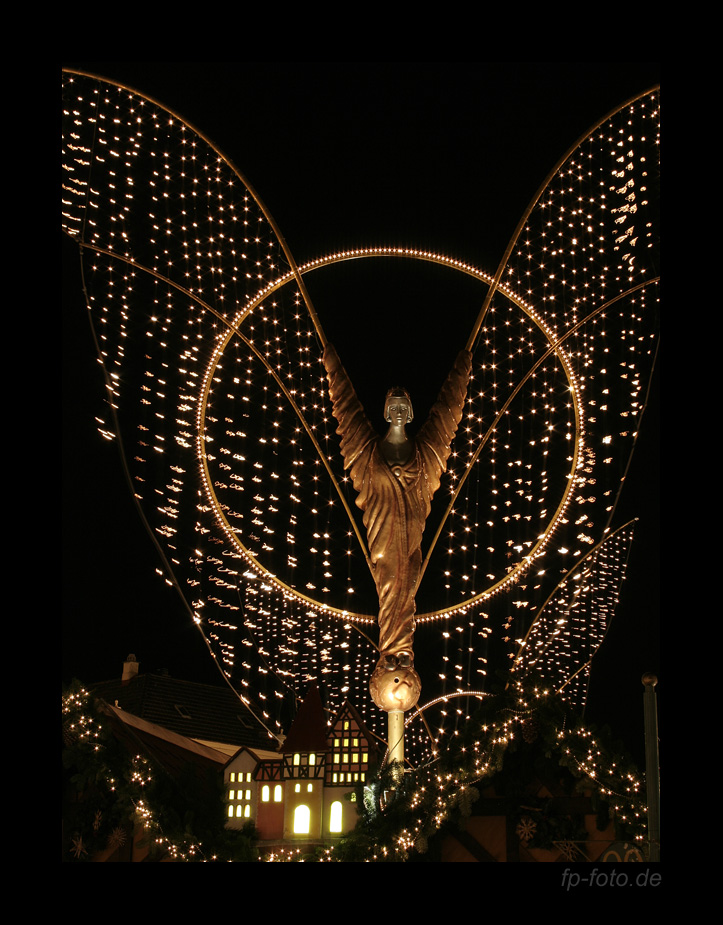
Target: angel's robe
<point>396,499</point>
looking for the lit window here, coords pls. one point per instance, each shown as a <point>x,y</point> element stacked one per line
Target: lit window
<point>278,793</point>
<point>232,794</point>
<point>309,788</point>
<point>335,817</point>
<point>297,759</point>
<point>297,788</point>
<point>302,820</point>
<point>239,810</point>
<point>230,812</point>
<point>232,777</point>
<point>312,758</point>
<point>265,793</point>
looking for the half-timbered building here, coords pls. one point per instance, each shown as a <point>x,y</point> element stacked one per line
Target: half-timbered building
<point>303,793</point>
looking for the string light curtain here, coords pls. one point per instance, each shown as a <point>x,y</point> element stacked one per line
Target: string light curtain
<point>217,394</point>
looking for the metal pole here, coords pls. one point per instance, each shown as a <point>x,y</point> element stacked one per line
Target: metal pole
<point>651,764</point>
<point>395,728</point>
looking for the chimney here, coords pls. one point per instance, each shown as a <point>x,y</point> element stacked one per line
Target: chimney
<point>130,669</point>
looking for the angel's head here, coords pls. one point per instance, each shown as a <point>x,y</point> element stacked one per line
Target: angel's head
<point>398,407</point>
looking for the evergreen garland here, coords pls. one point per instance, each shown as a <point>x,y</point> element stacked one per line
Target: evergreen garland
<point>514,734</point>
<point>108,791</point>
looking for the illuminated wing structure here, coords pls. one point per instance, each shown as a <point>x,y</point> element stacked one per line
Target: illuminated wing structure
<point>215,390</point>
<point>582,272</point>
<point>217,394</point>
<point>569,629</point>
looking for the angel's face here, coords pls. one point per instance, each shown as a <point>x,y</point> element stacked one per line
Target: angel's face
<point>398,411</point>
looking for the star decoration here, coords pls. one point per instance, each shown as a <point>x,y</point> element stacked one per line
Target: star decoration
<point>78,848</point>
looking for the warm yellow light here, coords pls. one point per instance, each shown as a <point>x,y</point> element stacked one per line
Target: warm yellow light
<point>302,820</point>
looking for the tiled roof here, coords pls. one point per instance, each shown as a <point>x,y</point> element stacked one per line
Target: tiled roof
<point>197,711</point>
<point>174,752</point>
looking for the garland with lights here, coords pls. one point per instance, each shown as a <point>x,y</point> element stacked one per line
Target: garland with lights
<point>110,792</point>
<point>514,736</point>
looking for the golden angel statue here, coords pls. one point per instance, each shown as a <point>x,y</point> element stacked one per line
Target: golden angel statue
<point>395,477</point>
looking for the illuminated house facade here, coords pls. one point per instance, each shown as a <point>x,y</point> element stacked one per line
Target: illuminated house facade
<point>295,793</point>
<point>304,792</point>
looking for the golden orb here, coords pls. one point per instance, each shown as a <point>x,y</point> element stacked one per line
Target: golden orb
<point>395,690</point>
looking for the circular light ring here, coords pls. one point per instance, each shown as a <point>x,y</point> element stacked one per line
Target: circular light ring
<point>233,330</point>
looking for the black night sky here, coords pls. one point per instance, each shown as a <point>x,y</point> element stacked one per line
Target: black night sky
<point>443,156</point>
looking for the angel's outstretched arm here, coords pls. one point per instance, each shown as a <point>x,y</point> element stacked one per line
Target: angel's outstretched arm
<point>441,425</point>
<point>354,428</point>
